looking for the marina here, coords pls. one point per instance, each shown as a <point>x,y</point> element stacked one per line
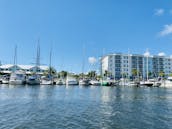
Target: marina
<point>85,64</point>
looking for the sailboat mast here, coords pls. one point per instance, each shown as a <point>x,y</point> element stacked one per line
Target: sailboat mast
<point>147,68</point>
<point>83,61</point>
<point>15,58</point>
<point>137,67</point>
<point>50,60</point>
<point>128,63</point>
<point>38,56</point>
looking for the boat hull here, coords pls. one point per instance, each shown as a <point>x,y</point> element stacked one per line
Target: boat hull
<point>16,82</point>
<point>71,83</point>
<point>33,82</point>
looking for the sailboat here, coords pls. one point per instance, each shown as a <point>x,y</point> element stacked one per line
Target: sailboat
<point>34,79</point>
<point>48,80</point>
<point>17,77</point>
<point>147,82</point>
<point>71,80</point>
<point>83,81</point>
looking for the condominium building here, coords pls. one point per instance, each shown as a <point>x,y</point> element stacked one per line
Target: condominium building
<point>119,65</point>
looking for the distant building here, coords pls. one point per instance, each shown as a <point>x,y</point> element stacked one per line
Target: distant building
<point>119,65</point>
<point>29,69</point>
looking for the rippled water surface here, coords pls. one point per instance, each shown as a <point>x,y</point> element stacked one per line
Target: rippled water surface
<point>77,107</point>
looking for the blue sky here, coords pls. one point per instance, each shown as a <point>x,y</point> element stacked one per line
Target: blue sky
<point>67,25</point>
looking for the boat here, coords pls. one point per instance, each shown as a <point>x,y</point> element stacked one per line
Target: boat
<point>107,83</point>
<point>34,79</point>
<point>60,82</point>
<point>17,78</point>
<point>71,81</point>
<point>133,83</point>
<point>146,83</point>
<point>5,79</point>
<point>46,80</point>
<point>84,82</point>
<point>123,82</point>
<point>95,83</point>
<point>151,82</point>
<point>167,82</point>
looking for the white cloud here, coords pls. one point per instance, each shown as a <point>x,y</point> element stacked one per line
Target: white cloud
<point>167,30</point>
<point>161,54</point>
<point>92,60</point>
<point>159,12</point>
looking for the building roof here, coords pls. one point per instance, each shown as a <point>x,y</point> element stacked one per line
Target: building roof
<point>6,66</point>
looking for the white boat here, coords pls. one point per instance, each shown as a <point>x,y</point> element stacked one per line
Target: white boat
<point>95,83</point>
<point>5,79</point>
<point>60,82</point>
<point>84,82</point>
<point>46,80</point>
<point>17,78</point>
<point>133,83</point>
<point>151,82</point>
<point>33,80</point>
<point>167,82</point>
<point>146,83</point>
<point>71,81</point>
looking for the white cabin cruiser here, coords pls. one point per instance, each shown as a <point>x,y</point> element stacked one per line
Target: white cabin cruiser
<point>17,78</point>
<point>166,83</point>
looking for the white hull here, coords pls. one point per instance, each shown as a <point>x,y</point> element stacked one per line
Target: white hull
<point>95,83</point>
<point>71,83</point>
<point>45,82</point>
<point>133,84</point>
<point>17,78</point>
<point>60,83</point>
<point>16,82</point>
<point>5,82</point>
<point>84,82</point>
<point>166,83</point>
<point>146,83</point>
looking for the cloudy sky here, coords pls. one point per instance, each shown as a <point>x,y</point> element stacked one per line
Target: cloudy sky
<point>105,26</point>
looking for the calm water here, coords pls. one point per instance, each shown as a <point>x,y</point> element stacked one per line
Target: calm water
<point>77,107</point>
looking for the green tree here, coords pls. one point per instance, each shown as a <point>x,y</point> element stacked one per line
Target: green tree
<point>134,72</point>
<point>62,74</point>
<point>161,74</point>
<point>170,75</point>
<point>92,74</point>
<point>150,74</point>
<point>52,71</point>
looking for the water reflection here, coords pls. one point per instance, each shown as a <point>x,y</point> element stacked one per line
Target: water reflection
<point>85,107</point>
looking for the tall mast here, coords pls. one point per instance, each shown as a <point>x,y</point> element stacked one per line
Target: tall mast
<point>38,56</point>
<point>147,64</point>
<point>83,61</point>
<point>15,58</point>
<point>128,63</point>
<point>50,60</point>
<point>137,67</point>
